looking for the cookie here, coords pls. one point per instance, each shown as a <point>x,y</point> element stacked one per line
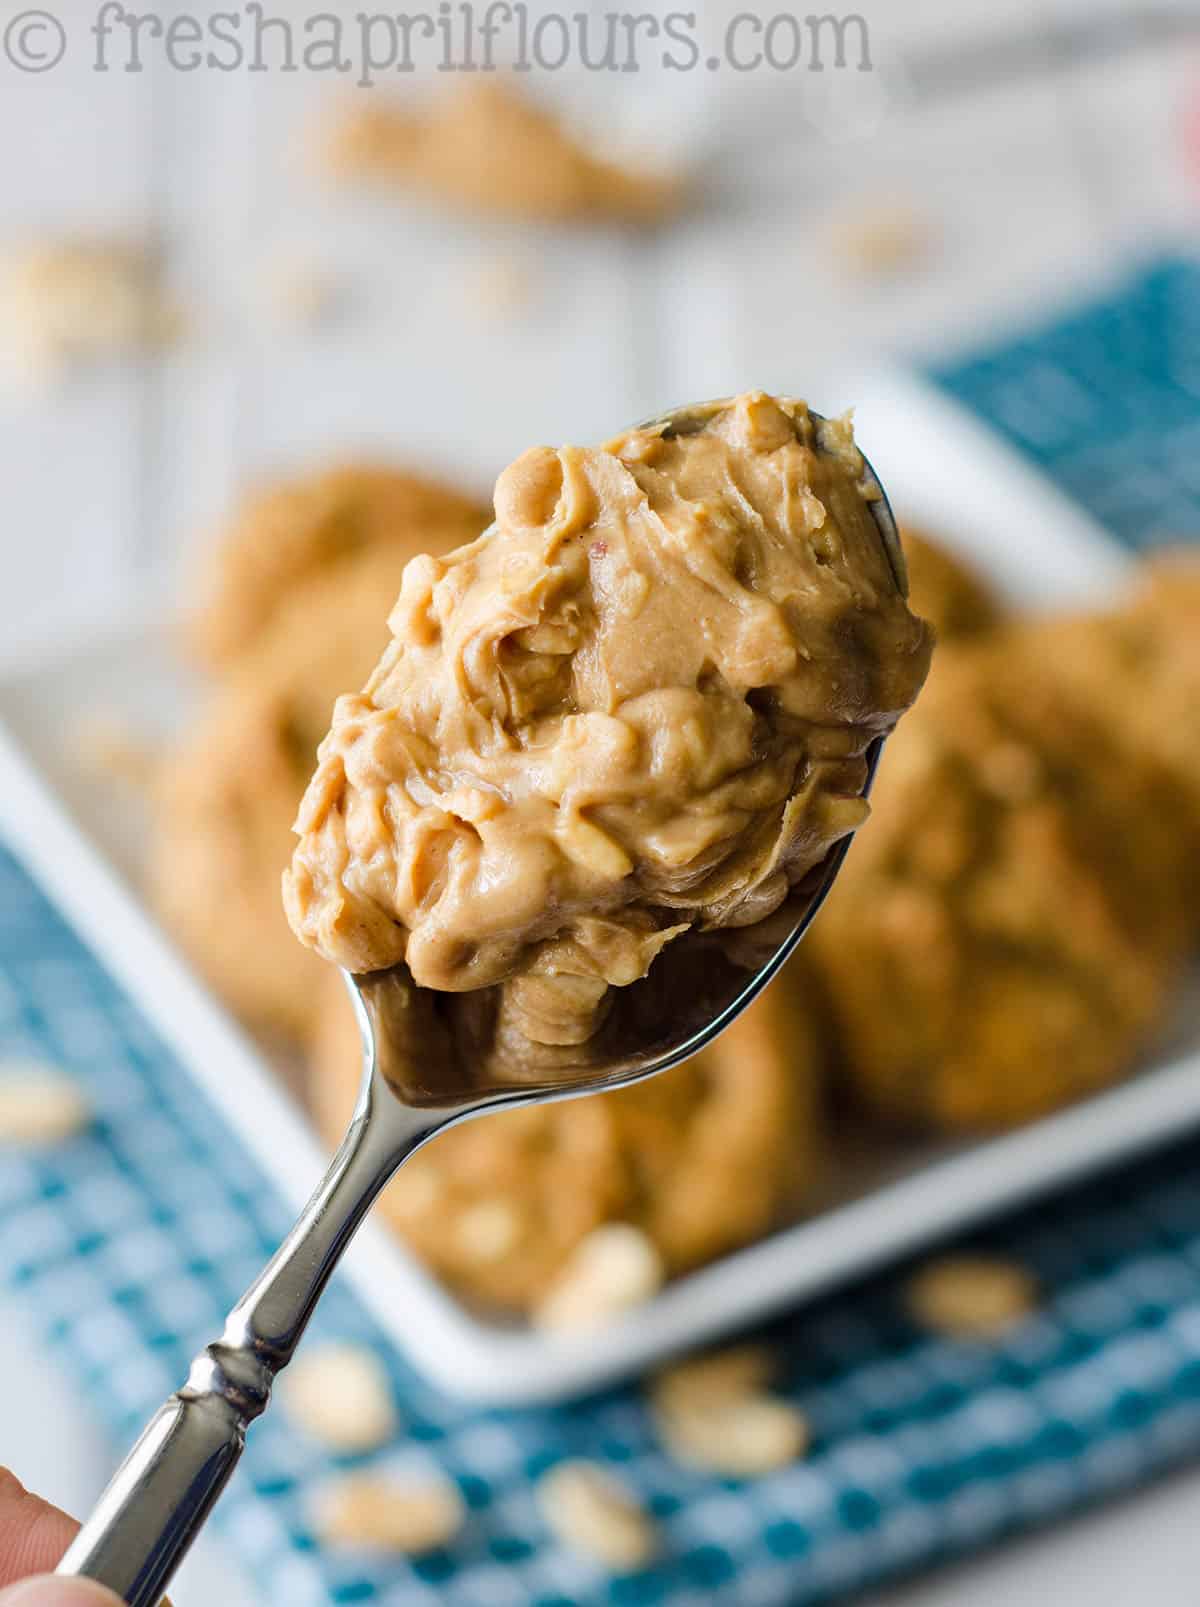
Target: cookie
<point>225,799</point>
<point>483,148</point>
<point>946,590</point>
<point>284,535</point>
<point>702,1159</point>
<point>1138,665</point>
<point>1005,931</point>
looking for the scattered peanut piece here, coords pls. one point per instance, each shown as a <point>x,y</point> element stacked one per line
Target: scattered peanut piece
<point>615,1267</point>
<point>375,1512</point>
<point>971,1296</point>
<point>880,238</point>
<point>108,746</point>
<point>592,1513</point>
<point>718,1376</point>
<point>498,289</point>
<point>713,1412</point>
<point>741,1437</point>
<point>39,1104</point>
<point>340,1394</point>
<point>301,295</point>
<point>64,302</point>
<point>489,1229</point>
<point>415,1190</point>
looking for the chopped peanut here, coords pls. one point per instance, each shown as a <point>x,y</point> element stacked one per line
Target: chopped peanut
<point>377,1513</point>
<point>616,1266</point>
<point>720,1375</point>
<point>39,1104</point>
<point>301,294</point>
<point>971,1296</point>
<point>590,1512</point>
<point>489,1229</point>
<point>64,301</point>
<point>340,1394</point>
<point>741,1436</point>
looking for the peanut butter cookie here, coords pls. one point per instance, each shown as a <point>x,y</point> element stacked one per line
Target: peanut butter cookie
<point>1002,938</point>
<point>1138,665</point>
<point>946,590</point>
<point>285,534</point>
<point>484,148</point>
<point>226,797</point>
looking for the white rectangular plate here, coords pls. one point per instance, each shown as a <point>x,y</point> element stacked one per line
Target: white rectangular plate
<point>943,471</point>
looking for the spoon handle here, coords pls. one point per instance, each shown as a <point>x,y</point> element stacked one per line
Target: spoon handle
<point>161,1495</point>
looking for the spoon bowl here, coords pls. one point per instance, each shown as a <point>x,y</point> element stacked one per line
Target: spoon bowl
<point>162,1493</point>
<point>656,1026</point>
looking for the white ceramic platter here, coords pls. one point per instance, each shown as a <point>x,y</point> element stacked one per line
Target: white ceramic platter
<point>943,471</point>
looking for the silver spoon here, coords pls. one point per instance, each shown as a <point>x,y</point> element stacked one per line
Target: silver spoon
<point>161,1495</point>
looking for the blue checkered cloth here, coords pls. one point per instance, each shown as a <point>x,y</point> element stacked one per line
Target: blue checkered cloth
<point>131,1241</point>
<point>1107,402</point>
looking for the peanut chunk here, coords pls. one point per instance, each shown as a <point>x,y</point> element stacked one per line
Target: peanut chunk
<point>882,239</point>
<point>373,1512</point>
<point>301,294</point>
<point>592,1513</point>
<point>615,1267</point>
<point>39,1104</point>
<point>742,1436</point>
<point>971,1296</point>
<point>111,749</point>
<point>713,1412</point>
<point>489,1230</point>
<point>65,301</point>
<point>498,289</point>
<point>717,1376</point>
<point>341,1395</point>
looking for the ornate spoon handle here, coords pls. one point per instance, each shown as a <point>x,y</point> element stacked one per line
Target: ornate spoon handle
<point>162,1493</point>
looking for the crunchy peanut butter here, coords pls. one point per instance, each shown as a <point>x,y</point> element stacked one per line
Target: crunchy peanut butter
<point>638,704</point>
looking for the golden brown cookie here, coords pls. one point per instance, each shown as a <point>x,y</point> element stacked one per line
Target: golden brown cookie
<point>485,148</point>
<point>1005,930</point>
<point>946,590</point>
<point>283,535</point>
<point>226,797</point>
<point>1138,665</point>
<point>702,1159</point>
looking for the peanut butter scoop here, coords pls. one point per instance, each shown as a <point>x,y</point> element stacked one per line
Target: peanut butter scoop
<point>637,706</point>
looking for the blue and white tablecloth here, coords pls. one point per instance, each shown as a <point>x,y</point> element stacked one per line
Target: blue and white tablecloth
<point>132,1241</point>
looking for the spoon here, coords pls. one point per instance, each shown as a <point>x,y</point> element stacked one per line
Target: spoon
<point>163,1492</point>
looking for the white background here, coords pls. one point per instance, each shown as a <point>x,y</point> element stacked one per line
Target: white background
<point>1032,188</point>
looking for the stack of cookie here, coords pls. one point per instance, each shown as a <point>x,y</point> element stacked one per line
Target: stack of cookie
<point>1002,939</point>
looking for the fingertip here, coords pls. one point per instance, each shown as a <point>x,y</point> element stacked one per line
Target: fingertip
<point>54,1590</point>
